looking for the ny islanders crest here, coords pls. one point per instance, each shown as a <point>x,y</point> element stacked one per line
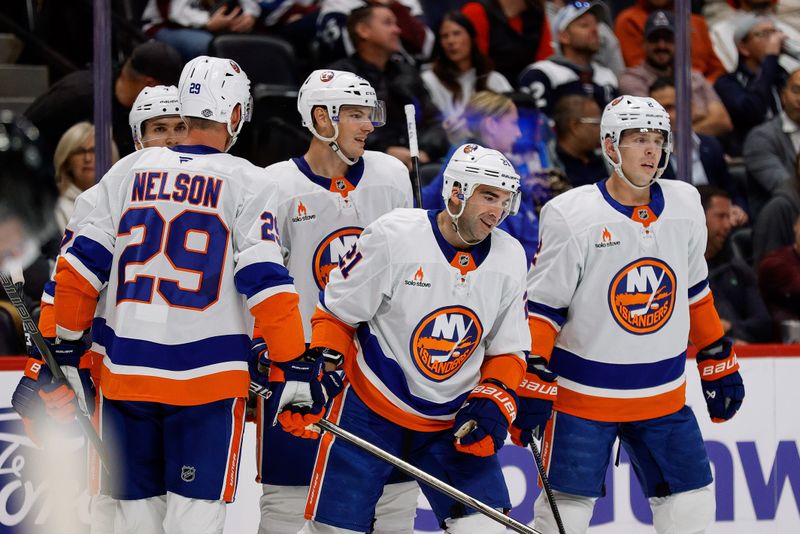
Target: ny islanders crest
<point>642,296</point>
<point>444,340</point>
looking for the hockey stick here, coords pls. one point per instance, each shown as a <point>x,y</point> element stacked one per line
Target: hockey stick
<point>414,472</point>
<point>29,325</point>
<point>548,490</point>
<point>411,123</point>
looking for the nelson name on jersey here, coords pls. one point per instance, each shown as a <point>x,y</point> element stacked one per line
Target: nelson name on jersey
<point>149,186</point>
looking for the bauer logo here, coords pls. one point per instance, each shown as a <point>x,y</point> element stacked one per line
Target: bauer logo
<point>444,340</point>
<point>642,296</point>
<point>333,248</point>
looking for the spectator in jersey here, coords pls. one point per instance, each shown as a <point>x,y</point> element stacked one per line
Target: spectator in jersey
<point>71,99</point>
<point>609,55</point>
<point>779,280</point>
<point>189,27</point>
<point>709,115</point>
<point>577,149</point>
<point>751,92</point>
<point>376,36</point>
<point>770,149</point>
<point>572,71</point>
<point>708,166</point>
<point>333,40</point>
<point>459,69</point>
<point>773,228</point>
<point>75,172</point>
<point>743,313</point>
<point>514,33</point>
<point>630,25</point>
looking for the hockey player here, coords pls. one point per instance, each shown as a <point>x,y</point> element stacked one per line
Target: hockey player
<point>327,197</point>
<point>155,121</point>
<point>427,308</point>
<point>180,238</point>
<point>616,289</point>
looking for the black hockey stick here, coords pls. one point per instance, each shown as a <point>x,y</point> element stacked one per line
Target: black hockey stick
<point>548,490</point>
<point>414,472</point>
<point>29,325</point>
<point>411,123</point>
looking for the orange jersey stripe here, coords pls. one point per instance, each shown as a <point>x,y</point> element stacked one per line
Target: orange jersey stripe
<point>505,368</point>
<point>705,327</point>
<point>384,407</point>
<point>192,392</point>
<point>76,298</point>
<point>322,457</point>
<point>330,332</point>
<point>619,410</point>
<point>543,337</point>
<point>281,326</point>
<point>47,319</point>
<point>232,472</point>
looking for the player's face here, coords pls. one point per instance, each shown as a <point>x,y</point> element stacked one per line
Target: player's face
<point>354,129</point>
<point>81,164</point>
<point>455,41</point>
<point>640,151</point>
<point>167,131</point>
<point>718,223</point>
<point>484,210</point>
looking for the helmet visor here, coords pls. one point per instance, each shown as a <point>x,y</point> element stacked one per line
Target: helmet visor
<point>357,114</point>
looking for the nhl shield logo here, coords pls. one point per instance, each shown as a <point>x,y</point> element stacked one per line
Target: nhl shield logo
<point>463,260</point>
<point>643,213</point>
<point>188,473</point>
<point>340,185</point>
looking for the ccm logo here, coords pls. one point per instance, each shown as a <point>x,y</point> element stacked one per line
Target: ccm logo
<point>502,398</point>
<point>720,367</point>
<point>537,387</point>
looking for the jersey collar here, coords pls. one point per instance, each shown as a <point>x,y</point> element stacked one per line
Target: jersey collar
<point>656,205</point>
<point>477,253</point>
<point>195,149</point>
<point>353,174</point>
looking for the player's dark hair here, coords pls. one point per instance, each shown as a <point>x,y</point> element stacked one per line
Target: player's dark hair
<point>708,192</point>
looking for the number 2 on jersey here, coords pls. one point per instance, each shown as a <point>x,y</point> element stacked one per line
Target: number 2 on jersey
<point>208,263</point>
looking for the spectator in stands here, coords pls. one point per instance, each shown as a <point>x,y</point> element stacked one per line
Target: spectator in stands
<point>751,93</point>
<point>189,27</point>
<point>577,150</point>
<point>609,55</point>
<point>459,70</point>
<point>709,115</point>
<point>742,311</point>
<point>770,149</point>
<point>773,228</point>
<point>722,33</point>
<point>513,33</point>
<point>779,280</point>
<point>71,99</point>
<point>708,166</point>
<point>74,165</point>
<point>572,71</point>
<point>376,36</point>
<point>492,121</point>
<point>629,28</point>
<point>334,41</point>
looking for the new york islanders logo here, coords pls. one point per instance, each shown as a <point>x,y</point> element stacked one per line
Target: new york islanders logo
<point>443,340</point>
<point>331,250</point>
<point>642,296</point>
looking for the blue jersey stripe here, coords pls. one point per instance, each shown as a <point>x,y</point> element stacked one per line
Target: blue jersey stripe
<point>257,277</point>
<point>614,375</point>
<point>557,315</point>
<point>697,288</point>
<point>392,376</point>
<point>93,256</point>
<point>50,288</point>
<point>180,357</point>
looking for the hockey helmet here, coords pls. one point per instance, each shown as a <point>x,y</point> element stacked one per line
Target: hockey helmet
<point>334,89</point>
<point>152,102</point>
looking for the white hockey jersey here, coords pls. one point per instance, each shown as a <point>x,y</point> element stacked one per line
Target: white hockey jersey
<point>185,241</point>
<point>427,316</point>
<point>321,218</point>
<point>617,284</point>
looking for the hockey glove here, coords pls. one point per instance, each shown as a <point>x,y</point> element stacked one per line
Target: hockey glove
<point>296,420</point>
<point>481,425</point>
<point>37,395</point>
<point>536,395</point>
<point>258,367</point>
<point>76,365</point>
<point>722,384</point>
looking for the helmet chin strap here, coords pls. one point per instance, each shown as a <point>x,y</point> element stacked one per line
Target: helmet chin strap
<point>333,144</point>
<point>454,222</point>
<point>618,170</point>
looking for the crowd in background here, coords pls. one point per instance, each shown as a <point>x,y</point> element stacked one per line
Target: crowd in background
<point>526,77</point>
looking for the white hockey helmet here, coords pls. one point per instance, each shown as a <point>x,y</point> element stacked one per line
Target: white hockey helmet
<point>334,89</point>
<point>210,88</point>
<point>472,165</point>
<point>635,113</point>
<point>152,102</point>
